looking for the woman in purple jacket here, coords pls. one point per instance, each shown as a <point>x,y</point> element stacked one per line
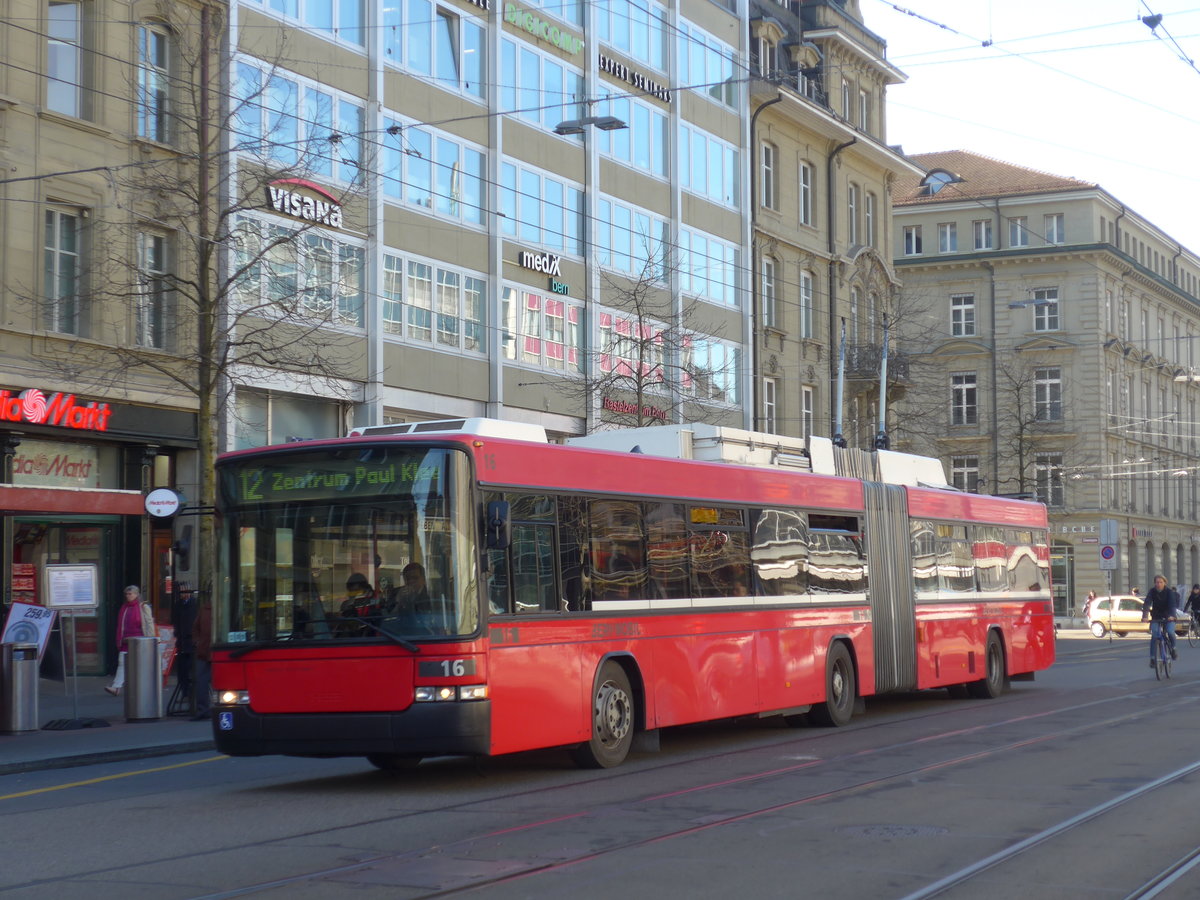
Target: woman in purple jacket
<point>129,624</point>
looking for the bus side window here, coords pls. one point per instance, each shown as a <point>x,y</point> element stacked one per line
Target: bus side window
<point>572,542</point>
<point>533,568</point>
<point>498,582</point>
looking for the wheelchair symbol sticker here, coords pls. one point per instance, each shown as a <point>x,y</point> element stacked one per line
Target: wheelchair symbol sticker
<point>225,721</point>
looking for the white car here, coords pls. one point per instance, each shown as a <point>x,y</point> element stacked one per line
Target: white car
<point>1122,614</point>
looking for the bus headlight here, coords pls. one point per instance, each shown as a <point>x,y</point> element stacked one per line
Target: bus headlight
<point>233,698</point>
<point>449,692</point>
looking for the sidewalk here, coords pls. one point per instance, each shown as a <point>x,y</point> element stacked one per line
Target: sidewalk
<point>62,748</point>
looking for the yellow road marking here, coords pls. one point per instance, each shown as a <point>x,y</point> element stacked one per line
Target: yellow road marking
<point>75,784</point>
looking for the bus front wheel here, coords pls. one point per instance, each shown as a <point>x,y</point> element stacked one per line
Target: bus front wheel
<point>612,721</point>
<point>839,689</point>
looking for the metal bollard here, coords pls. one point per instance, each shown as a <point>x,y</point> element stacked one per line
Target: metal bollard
<point>19,677</point>
<point>143,680</point>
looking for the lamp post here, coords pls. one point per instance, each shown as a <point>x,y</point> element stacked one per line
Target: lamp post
<point>571,127</point>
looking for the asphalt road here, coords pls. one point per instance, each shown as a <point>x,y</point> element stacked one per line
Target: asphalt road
<point>1082,784</point>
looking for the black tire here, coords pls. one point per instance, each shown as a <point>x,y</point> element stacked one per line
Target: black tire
<point>1193,634</point>
<point>991,685</point>
<point>393,762</point>
<point>839,689</point>
<point>1098,629</point>
<point>1158,667</point>
<point>1119,633</point>
<point>613,721</point>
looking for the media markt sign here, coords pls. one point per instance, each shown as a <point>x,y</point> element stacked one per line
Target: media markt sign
<point>63,410</point>
<point>161,503</point>
<point>324,209</point>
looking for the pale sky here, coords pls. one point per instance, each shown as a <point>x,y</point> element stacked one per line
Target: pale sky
<point>1080,88</point>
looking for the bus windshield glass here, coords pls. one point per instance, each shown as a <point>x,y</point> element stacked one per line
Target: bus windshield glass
<point>365,543</point>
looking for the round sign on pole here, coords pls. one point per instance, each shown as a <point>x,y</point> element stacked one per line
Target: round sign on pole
<point>163,503</point>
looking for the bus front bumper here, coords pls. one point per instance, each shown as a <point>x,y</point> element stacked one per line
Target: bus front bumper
<point>424,729</point>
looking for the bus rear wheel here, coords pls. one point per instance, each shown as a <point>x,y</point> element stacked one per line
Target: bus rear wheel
<point>839,689</point>
<point>613,717</point>
<point>393,762</point>
<point>991,685</point>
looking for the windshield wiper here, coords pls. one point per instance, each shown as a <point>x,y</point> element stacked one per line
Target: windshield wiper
<point>394,638</point>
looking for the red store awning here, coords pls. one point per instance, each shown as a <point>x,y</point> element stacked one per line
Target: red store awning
<point>73,501</point>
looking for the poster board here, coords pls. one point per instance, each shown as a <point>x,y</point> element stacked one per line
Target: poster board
<point>71,587</point>
<point>167,649</point>
<point>28,623</point>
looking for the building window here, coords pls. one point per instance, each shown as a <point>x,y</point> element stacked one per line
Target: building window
<point>767,57</point>
<point>298,124</point>
<point>544,210</point>
<point>1050,487</point>
<point>639,30</point>
<point>709,166</point>
<point>806,411</point>
<point>1045,310</point>
<point>869,219</point>
<point>845,100</point>
<point>806,194</point>
<point>963,399</point>
<point>153,78</point>
<point>642,143</point>
<point>964,473</point>
<point>982,232</point>
<point>912,240</point>
<point>769,304</point>
<point>711,370</point>
<point>306,274</point>
<point>1054,229</point>
<point>342,20</point>
<point>61,253</point>
<point>864,110</point>
<point>806,304</point>
<point>1018,232</point>
<point>542,331</point>
<point>769,196</point>
<point>1047,394</point>
<point>947,237</point>
<point>151,323</point>
<point>446,308</point>
<point>852,213</point>
<point>770,387</point>
<point>707,64</point>
<point>962,315</point>
<point>707,266</point>
<point>64,61</point>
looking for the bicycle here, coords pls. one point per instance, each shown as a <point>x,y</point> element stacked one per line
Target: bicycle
<point>1194,630</point>
<point>1160,651</point>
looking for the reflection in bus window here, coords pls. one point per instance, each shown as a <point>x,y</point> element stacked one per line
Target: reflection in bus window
<point>780,552</point>
<point>618,561</point>
<point>956,562</point>
<point>667,550</point>
<point>1023,564</point>
<point>533,568</point>
<point>991,554</point>
<point>572,549</point>
<point>923,538</point>
<point>837,564</point>
<point>719,555</point>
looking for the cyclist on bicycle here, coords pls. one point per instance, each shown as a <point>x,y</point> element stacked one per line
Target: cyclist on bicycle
<point>1159,607</point>
<point>1192,605</point>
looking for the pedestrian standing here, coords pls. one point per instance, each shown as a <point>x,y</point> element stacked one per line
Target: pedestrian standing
<point>202,633</point>
<point>133,618</point>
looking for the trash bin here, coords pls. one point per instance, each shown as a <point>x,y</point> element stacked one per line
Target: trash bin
<point>143,680</point>
<point>19,681</point>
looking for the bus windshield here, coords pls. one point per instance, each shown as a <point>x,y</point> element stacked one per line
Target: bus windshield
<point>366,543</point>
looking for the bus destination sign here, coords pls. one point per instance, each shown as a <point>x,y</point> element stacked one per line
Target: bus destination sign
<point>334,478</point>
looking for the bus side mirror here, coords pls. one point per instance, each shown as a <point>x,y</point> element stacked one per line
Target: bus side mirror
<point>499,524</point>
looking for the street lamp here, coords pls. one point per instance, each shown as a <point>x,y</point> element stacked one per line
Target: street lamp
<point>578,126</point>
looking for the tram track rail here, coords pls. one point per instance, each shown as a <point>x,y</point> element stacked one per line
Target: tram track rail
<point>1150,703</point>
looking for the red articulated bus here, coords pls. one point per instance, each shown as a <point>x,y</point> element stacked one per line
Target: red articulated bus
<point>466,587</point>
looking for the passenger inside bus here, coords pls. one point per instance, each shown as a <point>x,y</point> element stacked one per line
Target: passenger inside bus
<point>359,608</point>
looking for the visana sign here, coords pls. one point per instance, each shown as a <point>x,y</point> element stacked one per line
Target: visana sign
<point>61,409</point>
<point>291,203</point>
